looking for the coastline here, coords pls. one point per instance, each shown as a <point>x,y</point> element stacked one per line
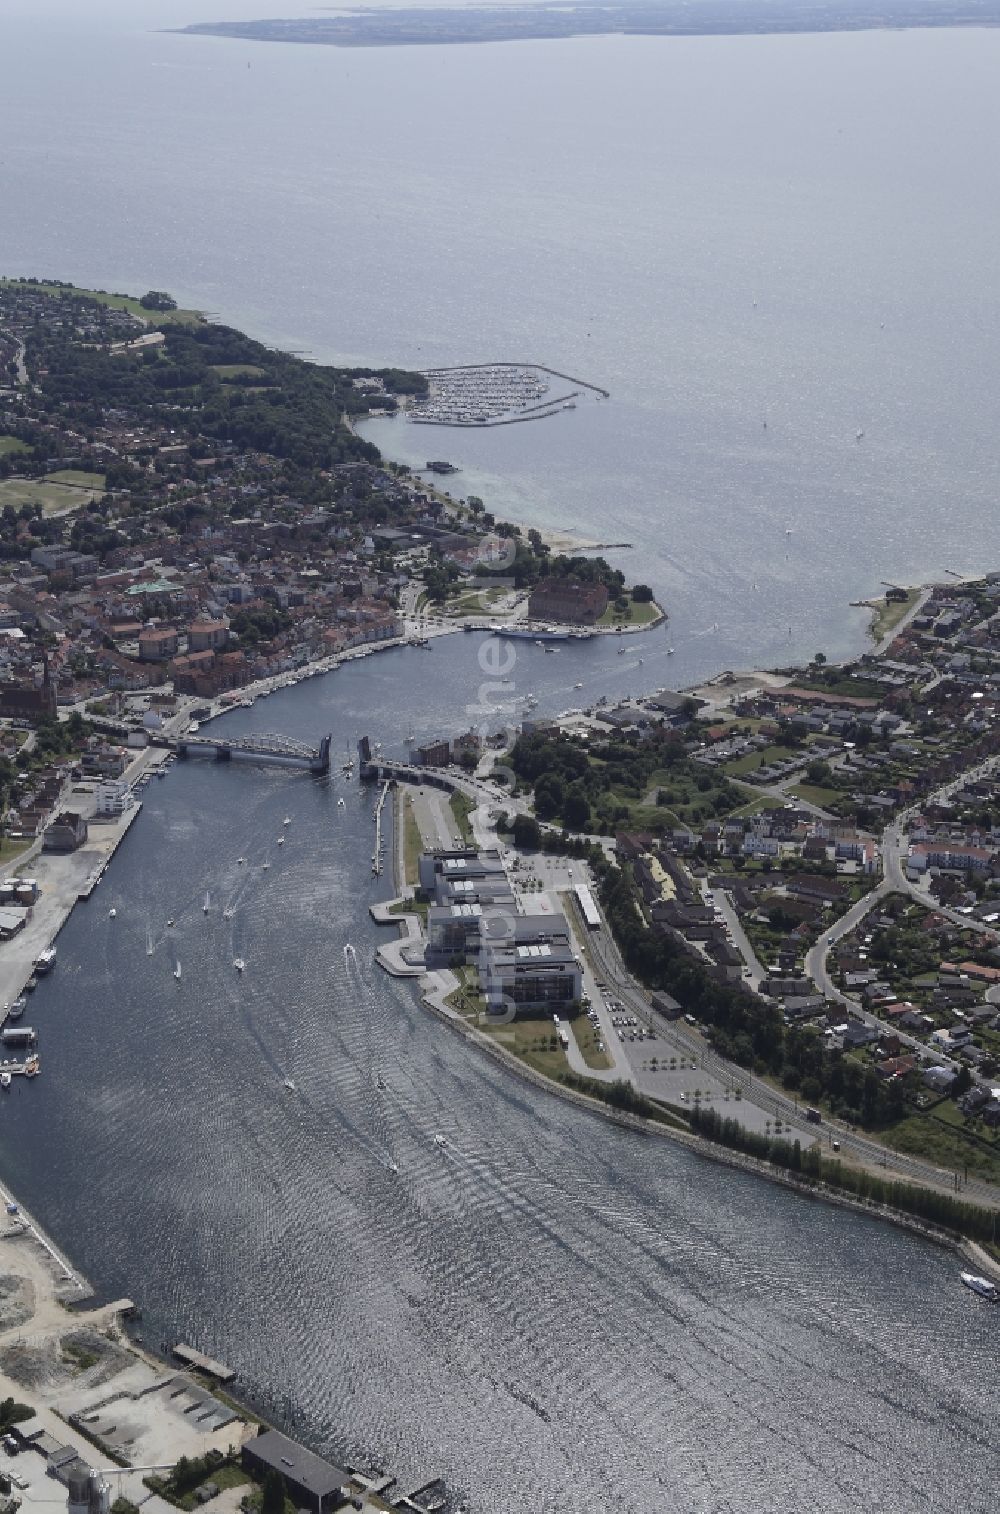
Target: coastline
<point>709,1150</point>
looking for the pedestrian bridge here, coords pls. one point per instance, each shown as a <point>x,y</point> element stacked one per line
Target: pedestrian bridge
<point>260,746</point>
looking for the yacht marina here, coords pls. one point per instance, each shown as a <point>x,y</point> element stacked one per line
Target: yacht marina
<point>497,394</point>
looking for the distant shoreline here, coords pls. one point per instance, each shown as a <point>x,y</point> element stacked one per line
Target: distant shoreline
<point>540,22</point>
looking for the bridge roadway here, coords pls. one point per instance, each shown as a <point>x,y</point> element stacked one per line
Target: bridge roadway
<point>264,746</point>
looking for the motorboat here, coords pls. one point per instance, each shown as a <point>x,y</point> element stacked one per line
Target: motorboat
<point>16,1010</point>
<point>206,906</point>
<point>112,913</point>
<point>4,1079</point>
<point>290,1085</point>
<point>341,804</point>
<point>287,820</point>
<point>281,840</point>
<point>46,960</point>
<point>982,1287</point>
<point>264,866</point>
<point>227,914</point>
<point>239,964</point>
<point>170,925</point>
<point>177,972</point>
<point>240,861</point>
<point>439,1140</point>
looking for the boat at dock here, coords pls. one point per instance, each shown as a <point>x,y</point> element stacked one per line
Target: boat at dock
<point>45,961</point>
<point>540,633</point>
<point>4,1079</point>
<point>982,1287</point>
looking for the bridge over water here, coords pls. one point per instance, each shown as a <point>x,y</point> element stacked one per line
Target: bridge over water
<point>259,746</point>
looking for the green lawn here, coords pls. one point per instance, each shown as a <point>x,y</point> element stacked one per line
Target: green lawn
<point>815,794</point>
<point>534,1041</point>
<point>9,444</point>
<point>77,476</point>
<point>54,498</point>
<point>237,370</point>
<point>461,807</point>
<point>754,760</point>
<point>11,849</point>
<point>636,615</point>
<point>118,302</point>
<point>413,845</point>
<point>586,1039</point>
<point>888,614</point>
<point>938,1138</point>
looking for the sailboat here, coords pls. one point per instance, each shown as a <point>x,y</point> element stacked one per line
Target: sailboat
<point>177,972</point>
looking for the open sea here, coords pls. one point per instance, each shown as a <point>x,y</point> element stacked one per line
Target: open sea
<point>551,1313</point>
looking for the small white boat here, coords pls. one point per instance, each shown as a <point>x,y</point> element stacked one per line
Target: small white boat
<point>578,686</point>
<point>149,943</point>
<point>264,866</point>
<point>227,914</point>
<point>858,435</point>
<point>439,1140</point>
<point>206,906</point>
<point>4,1079</point>
<point>112,913</point>
<point>239,964</point>
<point>341,804</point>
<point>670,651</point>
<point>287,820</point>
<point>170,924</point>
<point>289,1084</point>
<point>981,1286</point>
<point>240,861</point>
<point>393,1167</point>
<point>177,972</point>
<point>281,840</point>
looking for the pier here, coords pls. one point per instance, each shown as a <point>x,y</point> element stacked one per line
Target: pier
<point>263,746</point>
<point>202,1363</point>
<point>377,859</point>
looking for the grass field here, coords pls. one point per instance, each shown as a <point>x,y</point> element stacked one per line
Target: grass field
<point>814,794</point>
<point>9,444</point>
<point>636,615</point>
<point>237,370</point>
<point>78,477</point>
<point>534,1041</point>
<point>938,1138</point>
<point>411,841</point>
<point>754,760</point>
<point>118,302</point>
<point>54,498</point>
<point>888,615</point>
<point>461,806</point>
<point>586,1039</point>
<point>11,849</point>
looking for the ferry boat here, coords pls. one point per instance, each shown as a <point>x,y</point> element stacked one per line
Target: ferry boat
<point>981,1286</point>
<point>45,961</point>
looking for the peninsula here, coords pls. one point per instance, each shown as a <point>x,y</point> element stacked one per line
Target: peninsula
<point>431,26</point>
